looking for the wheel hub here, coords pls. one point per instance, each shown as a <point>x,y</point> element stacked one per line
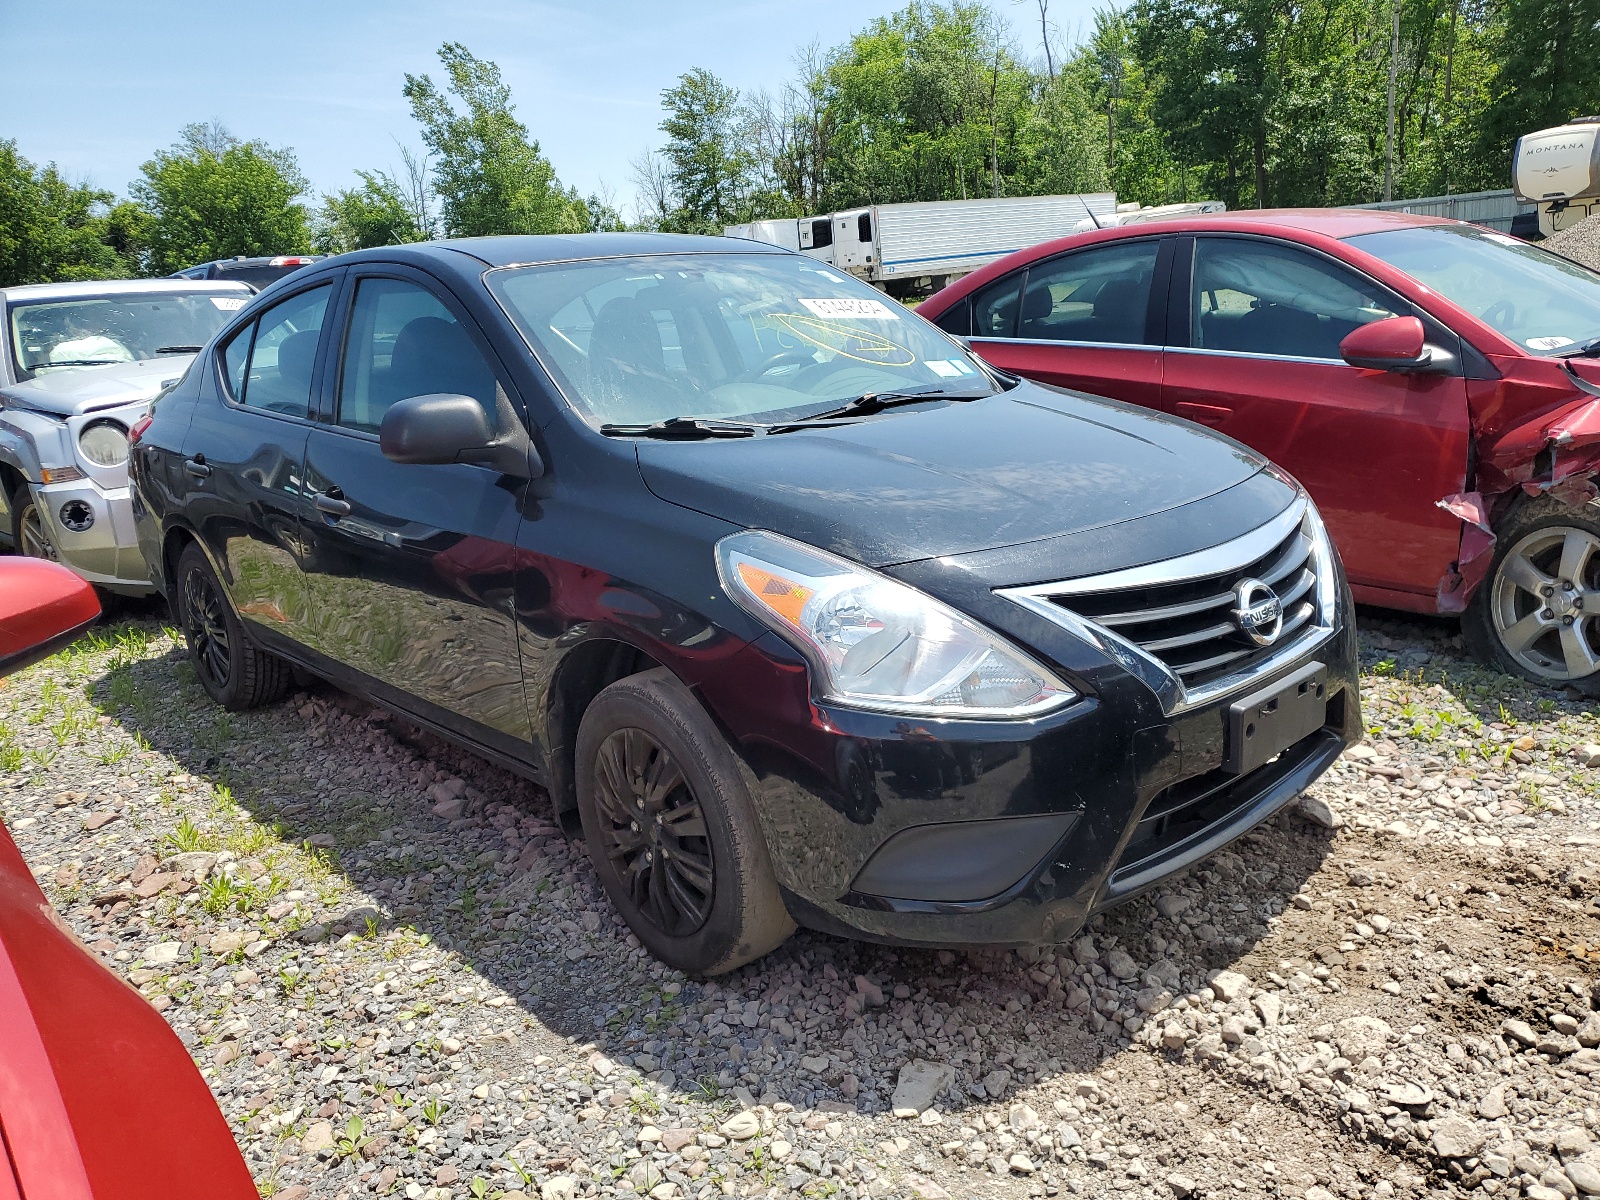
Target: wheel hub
<point>1545,601</point>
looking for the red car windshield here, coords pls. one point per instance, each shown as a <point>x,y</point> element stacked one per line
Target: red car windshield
<point>1546,304</point>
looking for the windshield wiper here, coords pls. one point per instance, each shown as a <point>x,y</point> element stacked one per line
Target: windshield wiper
<point>74,362</point>
<point>178,349</point>
<point>868,403</point>
<point>684,428</point>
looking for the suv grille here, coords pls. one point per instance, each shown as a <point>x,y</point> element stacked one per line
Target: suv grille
<point>1188,626</point>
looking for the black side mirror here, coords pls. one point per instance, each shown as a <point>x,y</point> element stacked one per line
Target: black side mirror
<point>445,428</point>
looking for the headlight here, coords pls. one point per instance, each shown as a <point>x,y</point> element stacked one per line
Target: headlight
<point>875,643</point>
<point>104,443</point>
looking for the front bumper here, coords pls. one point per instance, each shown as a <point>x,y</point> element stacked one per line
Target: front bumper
<point>91,527</point>
<point>947,833</point>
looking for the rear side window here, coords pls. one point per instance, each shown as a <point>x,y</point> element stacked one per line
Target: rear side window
<point>1259,297</point>
<point>1097,295</point>
<point>280,357</point>
<point>404,342</point>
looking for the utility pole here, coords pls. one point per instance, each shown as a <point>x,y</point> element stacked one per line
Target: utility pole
<point>1394,70</point>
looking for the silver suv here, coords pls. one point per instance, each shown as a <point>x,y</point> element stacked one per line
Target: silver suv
<point>80,364</point>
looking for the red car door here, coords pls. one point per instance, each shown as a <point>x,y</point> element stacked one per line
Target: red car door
<point>1254,353</point>
<point>1085,319</point>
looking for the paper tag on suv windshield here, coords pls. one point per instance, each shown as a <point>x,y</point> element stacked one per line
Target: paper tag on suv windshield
<point>841,307</point>
<point>229,303</point>
<point>1553,342</point>
<point>949,368</point>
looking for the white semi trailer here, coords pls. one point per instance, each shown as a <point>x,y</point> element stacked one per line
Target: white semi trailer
<point>903,246</point>
<point>1559,170</point>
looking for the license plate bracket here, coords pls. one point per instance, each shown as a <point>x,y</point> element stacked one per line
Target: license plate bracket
<point>1269,721</point>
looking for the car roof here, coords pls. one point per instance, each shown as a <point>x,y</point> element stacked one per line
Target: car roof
<point>526,249</point>
<point>1330,222</point>
<point>89,289</point>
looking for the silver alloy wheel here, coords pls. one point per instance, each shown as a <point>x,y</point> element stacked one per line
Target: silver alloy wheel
<point>1546,603</point>
<point>36,541</point>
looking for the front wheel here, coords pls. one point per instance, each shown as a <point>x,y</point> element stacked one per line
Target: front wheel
<point>1537,615</point>
<point>28,533</point>
<point>671,828</point>
<point>233,672</point>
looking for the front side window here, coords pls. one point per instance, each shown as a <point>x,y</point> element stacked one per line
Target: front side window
<point>282,355</point>
<point>753,337</point>
<point>1097,295</point>
<point>1543,302</point>
<point>49,335</point>
<point>1253,296</point>
<point>404,342</point>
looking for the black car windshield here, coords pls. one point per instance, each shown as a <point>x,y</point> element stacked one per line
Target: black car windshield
<point>48,335</point>
<point>1543,302</point>
<point>752,337</point>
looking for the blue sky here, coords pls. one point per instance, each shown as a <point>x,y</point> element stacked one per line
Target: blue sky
<point>97,85</point>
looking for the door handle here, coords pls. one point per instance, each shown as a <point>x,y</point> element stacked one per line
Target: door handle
<point>197,466</point>
<point>331,502</point>
<point>1203,414</point>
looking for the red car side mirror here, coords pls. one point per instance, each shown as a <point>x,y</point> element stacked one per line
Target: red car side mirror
<point>43,606</point>
<point>1392,344</point>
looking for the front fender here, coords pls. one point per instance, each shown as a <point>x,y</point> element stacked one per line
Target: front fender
<point>30,442</point>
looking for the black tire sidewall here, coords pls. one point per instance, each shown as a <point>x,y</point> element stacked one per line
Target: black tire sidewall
<point>22,500</point>
<point>669,714</point>
<point>1477,623</point>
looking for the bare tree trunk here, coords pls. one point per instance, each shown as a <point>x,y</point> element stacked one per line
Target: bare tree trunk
<point>1449,73</point>
<point>1044,36</point>
<point>1394,69</point>
<point>1259,151</point>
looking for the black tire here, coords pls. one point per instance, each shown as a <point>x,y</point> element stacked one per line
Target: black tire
<point>233,672</point>
<point>1534,545</point>
<point>29,536</point>
<point>697,890</point>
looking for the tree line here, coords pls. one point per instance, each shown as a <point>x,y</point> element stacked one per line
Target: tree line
<point>1255,102</point>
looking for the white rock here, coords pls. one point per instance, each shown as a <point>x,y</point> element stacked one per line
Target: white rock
<point>1457,1137</point>
<point>1229,986</point>
<point>1589,1031</point>
<point>919,1085</point>
<point>741,1126</point>
<point>1270,1006</point>
<point>1362,1037</point>
<point>558,1187</point>
<point>162,954</point>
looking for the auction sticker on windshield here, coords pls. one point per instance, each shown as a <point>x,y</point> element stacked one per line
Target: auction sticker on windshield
<point>850,307</point>
<point>229,303</point>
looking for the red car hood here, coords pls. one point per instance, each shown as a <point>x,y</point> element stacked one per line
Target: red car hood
<point>99,1100</point>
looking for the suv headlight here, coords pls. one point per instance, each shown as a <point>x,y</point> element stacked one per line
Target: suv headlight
<point>104,443</point>
<point>877,643</point>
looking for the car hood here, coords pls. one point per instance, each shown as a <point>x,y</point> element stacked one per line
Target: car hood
<point>1029,464</point>
<point>77,390</point>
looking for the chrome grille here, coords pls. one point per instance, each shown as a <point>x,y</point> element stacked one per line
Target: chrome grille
<point>1188,625</point>
<point>1172,622</point>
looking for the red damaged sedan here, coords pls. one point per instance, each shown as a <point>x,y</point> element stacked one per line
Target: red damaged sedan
<point>1433,384</point>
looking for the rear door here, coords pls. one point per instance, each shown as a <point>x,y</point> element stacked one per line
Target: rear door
<point>410,567</point>
<point>244,452</point>
<point>1089,319</point>
<point>1255,354</point>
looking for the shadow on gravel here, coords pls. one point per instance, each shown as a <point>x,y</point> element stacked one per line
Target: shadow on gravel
<point>821,1019</point>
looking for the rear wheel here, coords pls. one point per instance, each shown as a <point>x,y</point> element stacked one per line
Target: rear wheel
<point>672,831</point>
<point>29,534</point>
<point>1537,615</point>
<point>233,672</point>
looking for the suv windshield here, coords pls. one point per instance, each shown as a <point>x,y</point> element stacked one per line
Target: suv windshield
<point>763,337</point>
<point>1541,301</point>
<point>89,330</point>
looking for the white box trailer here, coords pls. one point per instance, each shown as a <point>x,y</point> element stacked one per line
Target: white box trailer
<point>777,233</point>
<point>1559,170</point>
<point>946,239</point>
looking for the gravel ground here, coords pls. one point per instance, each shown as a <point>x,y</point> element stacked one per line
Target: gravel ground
<point>1580,243</point>
<point>400,980</point>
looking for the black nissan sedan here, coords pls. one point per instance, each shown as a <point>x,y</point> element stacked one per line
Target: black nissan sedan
<point>801,613</point>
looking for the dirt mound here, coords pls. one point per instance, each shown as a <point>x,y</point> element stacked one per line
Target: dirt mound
<point>1580,243</point>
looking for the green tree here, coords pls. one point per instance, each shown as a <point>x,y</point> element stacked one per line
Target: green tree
<point>1547,70</point>
<point>213,196</point>
<point>490,177</point>
<point>377,213</point>
<point>52,230</point>
<point>710,160</point>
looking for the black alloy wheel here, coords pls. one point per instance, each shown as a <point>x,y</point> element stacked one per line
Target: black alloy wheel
<point>206,624</point>
<point>654,831</point>
<point>233,672</point>
<point>675,839</point>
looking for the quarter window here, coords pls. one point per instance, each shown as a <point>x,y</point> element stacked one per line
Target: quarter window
<point>994,312</point>
<point>281,355</point>
<point>404,342</point>
<point>1258,297</point>
<point>1096,295</point>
